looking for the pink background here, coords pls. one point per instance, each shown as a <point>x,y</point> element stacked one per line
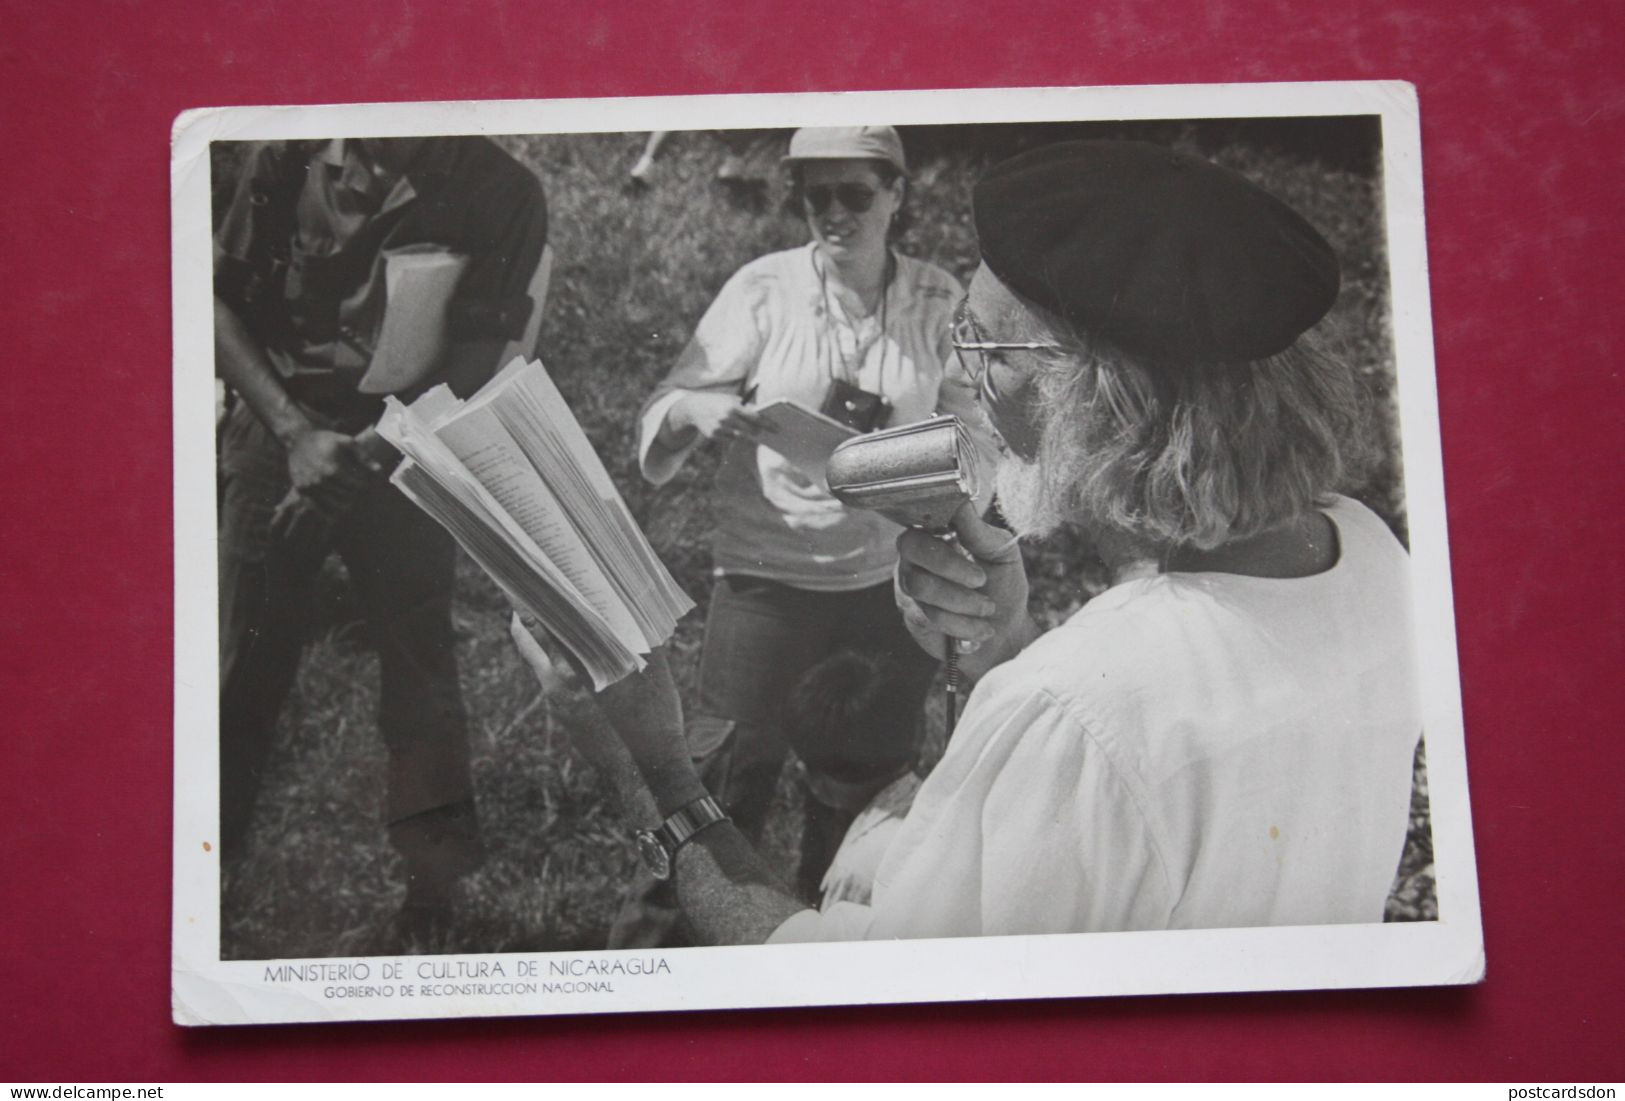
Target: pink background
<point>1523,144</point>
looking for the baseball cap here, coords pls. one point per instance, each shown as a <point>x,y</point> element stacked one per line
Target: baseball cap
<point>830,143</point>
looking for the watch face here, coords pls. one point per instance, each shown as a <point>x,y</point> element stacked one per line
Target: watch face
<point>654,854</point>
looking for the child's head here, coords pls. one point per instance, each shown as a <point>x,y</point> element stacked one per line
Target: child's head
<point>853,730</point>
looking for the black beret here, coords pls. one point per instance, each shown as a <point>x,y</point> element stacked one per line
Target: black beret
<point>1162,253</point>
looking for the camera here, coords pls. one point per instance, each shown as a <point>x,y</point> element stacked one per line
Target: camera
<point>857,408</point>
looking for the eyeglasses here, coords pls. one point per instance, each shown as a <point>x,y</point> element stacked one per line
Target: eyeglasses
<point>856,197</point>
<point>967,336</point>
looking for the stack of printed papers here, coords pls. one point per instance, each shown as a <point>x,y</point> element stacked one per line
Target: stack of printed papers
<point>511,475</point>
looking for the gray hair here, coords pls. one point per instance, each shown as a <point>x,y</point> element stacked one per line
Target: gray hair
<point>1193,454</point>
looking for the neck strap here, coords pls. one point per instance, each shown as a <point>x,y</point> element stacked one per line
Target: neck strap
<point>851,370</point>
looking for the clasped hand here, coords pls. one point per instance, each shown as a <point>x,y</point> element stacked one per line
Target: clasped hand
<point>328,470</point>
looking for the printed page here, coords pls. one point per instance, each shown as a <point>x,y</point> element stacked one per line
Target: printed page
<point>485,448</point>
<point>437,481</point>
<point>567,616</point>
<point>539,419</point>
<point>604,537</point>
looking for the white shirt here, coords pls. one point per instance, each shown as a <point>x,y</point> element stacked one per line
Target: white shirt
<point>851,873</point>
<point>772,326</point>
<point>1188,751</point>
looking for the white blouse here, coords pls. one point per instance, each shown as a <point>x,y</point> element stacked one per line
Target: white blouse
<point>773,328</point>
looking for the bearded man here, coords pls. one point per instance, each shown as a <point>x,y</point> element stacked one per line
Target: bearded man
<point>1222,738</point>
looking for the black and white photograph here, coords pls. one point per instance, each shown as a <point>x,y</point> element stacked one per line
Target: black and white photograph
<point>807,550</point>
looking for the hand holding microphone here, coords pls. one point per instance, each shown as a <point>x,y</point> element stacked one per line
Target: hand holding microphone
<point>973,588</point>
<point>961,584</point>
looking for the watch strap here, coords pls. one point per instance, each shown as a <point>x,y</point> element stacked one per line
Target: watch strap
<point>683,823</point>
<point>659,847</point>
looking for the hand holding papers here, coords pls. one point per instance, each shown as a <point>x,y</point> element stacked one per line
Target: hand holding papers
<point>512,476</point>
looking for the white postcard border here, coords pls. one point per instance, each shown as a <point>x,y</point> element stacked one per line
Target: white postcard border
<point>209,990</point>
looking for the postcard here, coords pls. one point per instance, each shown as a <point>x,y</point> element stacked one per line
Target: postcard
<point>1177,711</point>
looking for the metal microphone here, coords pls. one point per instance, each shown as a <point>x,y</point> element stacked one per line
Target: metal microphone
<point>916,475</point>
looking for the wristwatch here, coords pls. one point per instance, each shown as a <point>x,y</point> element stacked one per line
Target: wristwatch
<point>658,847</point>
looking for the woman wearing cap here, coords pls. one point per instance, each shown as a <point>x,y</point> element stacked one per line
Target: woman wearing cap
<point>1224,737</point>
<point>799,576</point>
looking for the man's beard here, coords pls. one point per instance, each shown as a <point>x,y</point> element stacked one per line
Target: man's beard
<point>1020,489</point>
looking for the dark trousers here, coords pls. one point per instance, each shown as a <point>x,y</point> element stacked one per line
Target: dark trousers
<point>761,637</point>
<point>401,566</point>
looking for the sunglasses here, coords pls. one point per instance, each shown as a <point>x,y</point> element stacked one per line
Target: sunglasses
<point>967,336</point>
<point>856,197</point>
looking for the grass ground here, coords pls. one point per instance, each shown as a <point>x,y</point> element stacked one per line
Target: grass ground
<point>634,273</point>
